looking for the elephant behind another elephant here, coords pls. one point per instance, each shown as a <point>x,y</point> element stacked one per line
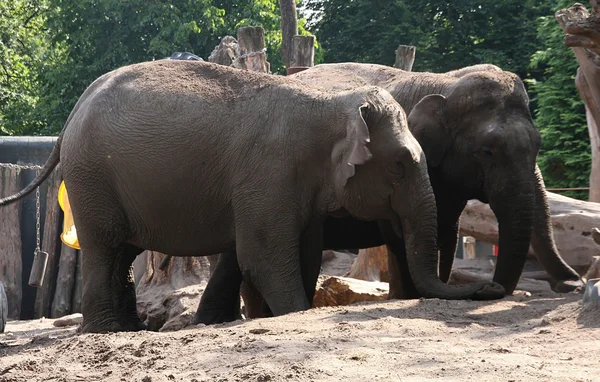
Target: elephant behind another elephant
<point>187,157</point>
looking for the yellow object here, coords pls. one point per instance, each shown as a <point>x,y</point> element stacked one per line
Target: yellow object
<point>69,235</point>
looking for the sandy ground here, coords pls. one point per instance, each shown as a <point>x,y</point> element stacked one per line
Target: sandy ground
<point>545,337</point>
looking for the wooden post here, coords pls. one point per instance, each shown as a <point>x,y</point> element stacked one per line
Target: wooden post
<point>289,29</point>
<point>251,43</point>
<point>3,308</point>
<point>303,54</point>
<point>405,57</point>
<point>10,246</point>
<point>50,244</point>
<point>78,287</point>
<point>65,282</point>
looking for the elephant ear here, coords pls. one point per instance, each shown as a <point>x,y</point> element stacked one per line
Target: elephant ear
<point>427,124</point>
<point>357,134</point>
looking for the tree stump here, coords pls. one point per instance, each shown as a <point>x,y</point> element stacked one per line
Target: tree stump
<point>65,282</point>
<point>11,262</point>
<point>3,308</point>
<point>371,265</point>
<point>582,34</point>
<point>251,44</point>
<point>405,57</point>
<point>51,245</point>
<point>168,298</point>
<point>303,54</point>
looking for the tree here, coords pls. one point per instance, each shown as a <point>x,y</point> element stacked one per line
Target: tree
<point>23,42</point>
<point>560,115</point>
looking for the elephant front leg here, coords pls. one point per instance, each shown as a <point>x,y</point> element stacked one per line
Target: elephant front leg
<point>269,257</point>
<point>400,280</point>
<point>109,301</point>
<point>220,301</point>
<point>448,223</point>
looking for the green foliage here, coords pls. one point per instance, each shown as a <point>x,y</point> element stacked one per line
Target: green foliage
<point>22,44</point>
<point>565,157</point>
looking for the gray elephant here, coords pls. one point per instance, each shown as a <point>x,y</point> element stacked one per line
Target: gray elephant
<point>480,142</point>
<point>190,158</point>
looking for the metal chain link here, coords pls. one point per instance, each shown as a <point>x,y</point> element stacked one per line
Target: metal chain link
<point>37,217</point>
<point>37,199</point>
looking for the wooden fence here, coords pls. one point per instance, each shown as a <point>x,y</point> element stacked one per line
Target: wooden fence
<point>60,292</point>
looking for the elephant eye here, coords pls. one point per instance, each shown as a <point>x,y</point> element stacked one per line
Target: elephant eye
<point>398,168</point>
<point>487,151</point>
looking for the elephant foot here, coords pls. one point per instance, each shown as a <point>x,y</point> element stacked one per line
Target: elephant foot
<point>566,286</point>
<point>209,316</point>
<point>490,291</point>
<point>108,326</point>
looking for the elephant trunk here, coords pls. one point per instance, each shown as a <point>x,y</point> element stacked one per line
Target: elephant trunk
<point>542,239</point>
<point>514,207</point>
<point>419,228</point>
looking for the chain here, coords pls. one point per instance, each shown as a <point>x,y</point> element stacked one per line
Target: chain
<point>21,166</point>
<point>37,218</point>
<point>37,197</point>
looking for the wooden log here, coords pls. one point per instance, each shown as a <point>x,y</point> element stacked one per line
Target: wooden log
<point>303,53</point>
<point>78,286</point>
<point>289,29</point>
<point>3,308</point>
<point>334,291</point>
<point>370,265</point>
<point>405,57</point>
<point>251,43</point>
<point>51,245</point>
<point>226,52</point>
<point>65,282</point>
<point>11,260</point>
<point>572,223</point>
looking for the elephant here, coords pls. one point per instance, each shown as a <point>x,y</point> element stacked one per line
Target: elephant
<point>480,142</point>
<point>187,157</point>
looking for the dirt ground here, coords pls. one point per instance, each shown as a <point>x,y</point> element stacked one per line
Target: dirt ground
<point>545,337</point>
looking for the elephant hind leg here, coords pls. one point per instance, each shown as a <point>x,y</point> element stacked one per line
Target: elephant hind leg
<point>109,301</point>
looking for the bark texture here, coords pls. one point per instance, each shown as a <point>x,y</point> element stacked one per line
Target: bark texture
<point>251,44</point>
<point>65,282</point>
<point>11,263</point>
<point>289,29</point>
<point>582,34</point>
<point>303,52</point>
<point>405,57</point>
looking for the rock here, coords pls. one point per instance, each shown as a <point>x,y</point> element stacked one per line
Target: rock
<point>371,265</point>
<point>71,319</point>
<point>334,291</point>
<point>591,296</point>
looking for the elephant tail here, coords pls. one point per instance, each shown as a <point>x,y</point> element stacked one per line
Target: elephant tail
<point>49,166</point>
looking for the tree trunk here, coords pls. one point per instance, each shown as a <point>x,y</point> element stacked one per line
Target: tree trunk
<point>582,34</point>
<point>50,244</point>
<point>303,53</point>
<point>251,43</point>
<point>3,308</point>
<point>405,57</point>
<point>65,282</point>
<point>289,29</point>
<point>10,247</point>
<point>572,223</point>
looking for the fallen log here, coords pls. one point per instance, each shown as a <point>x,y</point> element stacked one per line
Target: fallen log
<point>572,222</point>
<point>334,291</point>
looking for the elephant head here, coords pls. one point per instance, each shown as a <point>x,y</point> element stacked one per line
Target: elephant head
<point>381,172</point>
<point>480,137</point>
